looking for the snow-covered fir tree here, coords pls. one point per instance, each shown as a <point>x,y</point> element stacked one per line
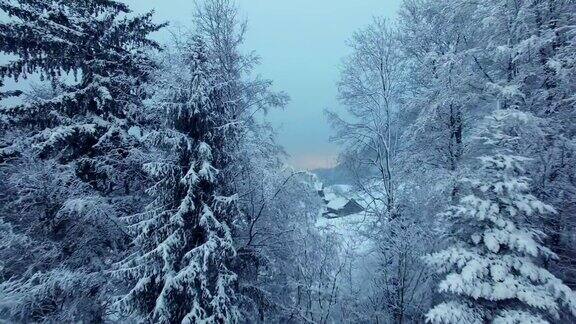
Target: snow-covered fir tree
<point>493,270</point>
<point>180,270</point>
<point>93,43</point>
<point>67,159</point>
<point>529,56</point>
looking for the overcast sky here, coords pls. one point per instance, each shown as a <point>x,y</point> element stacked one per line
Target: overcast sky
<point>301,43</point>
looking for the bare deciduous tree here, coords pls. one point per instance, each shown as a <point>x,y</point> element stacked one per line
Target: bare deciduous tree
<point>369,87</point>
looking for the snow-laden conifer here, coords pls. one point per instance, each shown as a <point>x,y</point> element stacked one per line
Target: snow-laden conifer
<point>492,272</point>
<point>68,165</point>
<point>180,271</point>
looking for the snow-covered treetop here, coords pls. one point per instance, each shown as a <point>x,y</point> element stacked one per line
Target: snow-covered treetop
<point>44,35</point>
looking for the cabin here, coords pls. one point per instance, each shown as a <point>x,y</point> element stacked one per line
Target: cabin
<point>348,208</point>
<point>336,205</point>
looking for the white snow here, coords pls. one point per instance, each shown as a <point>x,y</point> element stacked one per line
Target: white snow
<point>348,229</point>
<point>337,203</point>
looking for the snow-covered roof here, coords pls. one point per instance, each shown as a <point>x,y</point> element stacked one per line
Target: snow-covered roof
<point>337,203</point>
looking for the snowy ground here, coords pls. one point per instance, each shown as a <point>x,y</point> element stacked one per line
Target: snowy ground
<point>347,229</point>
<point>354,248</point>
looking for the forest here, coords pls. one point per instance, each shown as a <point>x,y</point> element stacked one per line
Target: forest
<point>141,181</point>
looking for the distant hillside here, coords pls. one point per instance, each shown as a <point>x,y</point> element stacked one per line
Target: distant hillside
<point>333,176</point>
